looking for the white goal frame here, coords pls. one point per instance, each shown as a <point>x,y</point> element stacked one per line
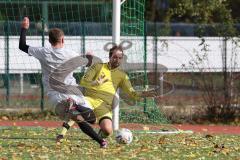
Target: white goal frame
<point>116,22</point>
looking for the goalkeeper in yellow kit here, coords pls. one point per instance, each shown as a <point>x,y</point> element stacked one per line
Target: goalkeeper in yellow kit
<point>101,82</point>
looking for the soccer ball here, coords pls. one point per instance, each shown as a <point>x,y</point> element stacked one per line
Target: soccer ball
<point>124,136</point>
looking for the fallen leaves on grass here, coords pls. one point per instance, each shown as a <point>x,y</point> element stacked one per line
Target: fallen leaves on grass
<point>39,143</point>
<point>162,140</point>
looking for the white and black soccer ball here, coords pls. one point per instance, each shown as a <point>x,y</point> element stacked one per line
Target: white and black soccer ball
<point>124,136</point>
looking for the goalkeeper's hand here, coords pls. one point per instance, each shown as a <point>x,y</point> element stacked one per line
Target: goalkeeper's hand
<point>144,94</point>
<point>102,79</point>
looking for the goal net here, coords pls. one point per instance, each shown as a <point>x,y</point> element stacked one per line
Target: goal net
<point>87,25</point>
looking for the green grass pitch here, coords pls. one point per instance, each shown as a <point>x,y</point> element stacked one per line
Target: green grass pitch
<point>39,143</point>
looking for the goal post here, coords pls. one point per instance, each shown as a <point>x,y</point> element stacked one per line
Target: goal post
<point>116,24</point>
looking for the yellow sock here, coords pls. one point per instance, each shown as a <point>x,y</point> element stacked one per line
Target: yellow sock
<point>64,130</point>
<point>71,123</point>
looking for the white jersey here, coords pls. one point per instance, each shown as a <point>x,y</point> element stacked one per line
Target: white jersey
<point>50,58</point>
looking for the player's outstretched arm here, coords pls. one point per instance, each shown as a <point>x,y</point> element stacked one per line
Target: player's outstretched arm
<point>92,59</point>
<point>126,86</point>
<point>22,41</point>
<point>89,56</point>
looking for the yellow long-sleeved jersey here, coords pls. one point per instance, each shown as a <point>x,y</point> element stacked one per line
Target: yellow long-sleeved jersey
<point>107,90</point>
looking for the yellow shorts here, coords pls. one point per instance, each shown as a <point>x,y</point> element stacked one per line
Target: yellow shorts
<point>100,108</point>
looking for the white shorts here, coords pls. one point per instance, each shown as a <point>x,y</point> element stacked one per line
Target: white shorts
<point>56,98</point>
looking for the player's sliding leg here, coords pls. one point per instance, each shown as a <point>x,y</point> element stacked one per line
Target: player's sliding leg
<point>66,126</point>
<point>78,114</point>
<point>87,129</point>
<point>90,118</point>
<point>87,115</point>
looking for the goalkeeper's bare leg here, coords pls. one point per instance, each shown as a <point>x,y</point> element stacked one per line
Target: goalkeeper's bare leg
<point>106,129</point>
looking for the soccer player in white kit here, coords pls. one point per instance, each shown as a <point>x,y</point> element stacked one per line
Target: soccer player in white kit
<point>55,62</point>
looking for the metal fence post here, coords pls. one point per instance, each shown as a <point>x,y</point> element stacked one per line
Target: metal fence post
<point>7,74</point>
<point>145,65</point>
<point>41,83</point>
<point>83,40</point>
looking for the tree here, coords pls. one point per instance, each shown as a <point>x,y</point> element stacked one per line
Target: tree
<point>191,11</point>
<point>216,14</point>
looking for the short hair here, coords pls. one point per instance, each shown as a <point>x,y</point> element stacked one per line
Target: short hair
<point>55,35</point>
<point>115,48</point>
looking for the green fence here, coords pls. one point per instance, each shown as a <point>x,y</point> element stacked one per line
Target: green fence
<point>86,24</point>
